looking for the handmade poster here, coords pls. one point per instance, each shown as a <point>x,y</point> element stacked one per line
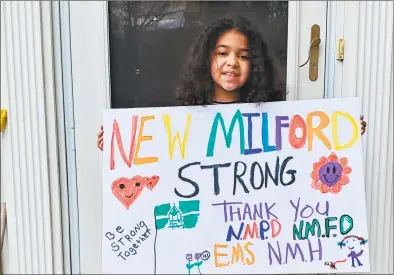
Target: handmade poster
<point>235,189</point>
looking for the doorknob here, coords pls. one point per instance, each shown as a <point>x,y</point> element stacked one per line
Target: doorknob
<point>314,53</point>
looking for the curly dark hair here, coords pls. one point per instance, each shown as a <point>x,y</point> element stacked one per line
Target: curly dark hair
<point>196,83</point>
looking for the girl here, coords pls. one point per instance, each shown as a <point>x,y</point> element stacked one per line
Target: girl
<point>227,64</point>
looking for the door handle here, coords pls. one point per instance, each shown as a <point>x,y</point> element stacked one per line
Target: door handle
<point>314,53</point>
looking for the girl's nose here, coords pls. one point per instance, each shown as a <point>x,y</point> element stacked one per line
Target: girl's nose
<point>232,60</point>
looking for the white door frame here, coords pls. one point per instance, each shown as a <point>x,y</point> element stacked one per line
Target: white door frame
<point>91,93</point>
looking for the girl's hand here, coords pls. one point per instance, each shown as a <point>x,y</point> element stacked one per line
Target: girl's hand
<point>363,125</point>
<point>100,141</point>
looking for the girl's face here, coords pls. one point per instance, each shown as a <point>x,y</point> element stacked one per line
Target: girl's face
<point>354,244</point>
<point>230,65</point>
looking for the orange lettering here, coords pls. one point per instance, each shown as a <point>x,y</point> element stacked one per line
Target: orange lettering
<point>142,138</point>
<point>250,252</point>
<point>324,120</point>
<point>216,255</point>
<point>297,122</point>
<point>237,253</point>
<point>115,132</point>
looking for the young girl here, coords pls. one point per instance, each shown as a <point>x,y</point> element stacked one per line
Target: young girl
<point>227,64</point>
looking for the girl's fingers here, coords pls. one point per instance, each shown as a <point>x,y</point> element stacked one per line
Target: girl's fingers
<point>100,145</point>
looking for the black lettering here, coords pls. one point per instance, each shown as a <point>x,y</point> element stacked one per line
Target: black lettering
<point>127,237</point>
<point>216,186</point>
<point>142,224</point>
<point>109,236</point>
<point>147,233</point>
<point>115,247</point>
<point>193,183</point>
<point>275,178</point>
<point>120,241</point>
<point>119,229</point>
<point>136,228</point>
<point>135,246</point>
<point>120,254</point>
<point>133,251</point>
<point>238,177</point>
<point>254,164</point>
<point>289,172</point>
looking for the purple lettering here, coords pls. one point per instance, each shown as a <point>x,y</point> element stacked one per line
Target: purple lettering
<point>292,252</point>
<point>304,209</point>
<point>319,250</point>
<point>325,213</point>
<point>271,250</point>
<point>247,211</point>
<point>225,204</point>
<point>279,126</point>
<point>268,211</point>
<point>295,208</point>
<point>250,150</point>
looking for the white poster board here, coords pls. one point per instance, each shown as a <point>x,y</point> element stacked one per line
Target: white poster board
<point>241,188</point>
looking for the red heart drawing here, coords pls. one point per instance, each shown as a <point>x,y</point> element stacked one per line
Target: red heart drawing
<point>150,182</point>
<point>127,190</point>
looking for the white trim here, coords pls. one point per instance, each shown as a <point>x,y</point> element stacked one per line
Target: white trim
<point>50,113</point>
<point>61,137</point>
<point>31,176</point>
<point>90,72</point>
<point>367,72</point>
<point>293,32</point>
<point>334,68</point>
<point>69,136</point>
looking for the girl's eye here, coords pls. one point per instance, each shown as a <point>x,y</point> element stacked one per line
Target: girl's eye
<point>244,57</point>
<point>222,53</point>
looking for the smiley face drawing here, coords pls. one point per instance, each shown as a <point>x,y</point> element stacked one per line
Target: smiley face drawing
<point>128,190</point>
<point>330,174</point>
<point>355,246</point>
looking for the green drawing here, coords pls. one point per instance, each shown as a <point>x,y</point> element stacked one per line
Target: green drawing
<point>184,215</point>
<point>175,217</point>
<point>162,210</point>
<point>200,257</point>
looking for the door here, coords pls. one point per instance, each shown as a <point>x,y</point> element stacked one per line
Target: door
<point>116,62</point>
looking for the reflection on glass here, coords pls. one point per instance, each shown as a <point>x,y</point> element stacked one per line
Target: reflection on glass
<point>149,41</point>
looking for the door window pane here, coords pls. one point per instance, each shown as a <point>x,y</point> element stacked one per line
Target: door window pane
<point>149,42</point>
